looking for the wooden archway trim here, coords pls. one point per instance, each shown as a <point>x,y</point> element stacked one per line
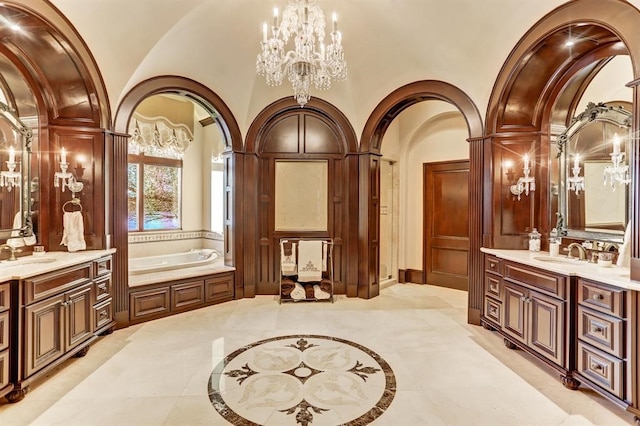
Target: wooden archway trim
<point>318,106</point>
<point>183,86</point>
<point>369,208</point>
<point>410,94</point>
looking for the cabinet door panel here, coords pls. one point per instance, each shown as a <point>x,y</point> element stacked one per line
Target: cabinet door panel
<point>546,324</point>
<point>45,334</point>
<point>80,316</point>
<point>515,311</point>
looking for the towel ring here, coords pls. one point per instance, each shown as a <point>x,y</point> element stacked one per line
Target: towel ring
<point>73,202</point>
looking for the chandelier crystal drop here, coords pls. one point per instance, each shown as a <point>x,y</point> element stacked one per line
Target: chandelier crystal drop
<point>308,60</point>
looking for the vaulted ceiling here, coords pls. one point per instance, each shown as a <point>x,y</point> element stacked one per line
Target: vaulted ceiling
<point>388,43</point>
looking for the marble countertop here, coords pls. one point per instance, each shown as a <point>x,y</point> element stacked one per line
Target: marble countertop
<point>176,274</point>
<point>29,266</point>
<point>615,275</point>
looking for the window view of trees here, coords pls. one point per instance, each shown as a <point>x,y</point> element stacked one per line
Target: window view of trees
<point>154,184</point>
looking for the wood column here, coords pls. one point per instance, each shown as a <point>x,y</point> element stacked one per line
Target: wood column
<point>369,225</point>
<point>478,174</point>
<point>118,233</point>
<point>233,208</point>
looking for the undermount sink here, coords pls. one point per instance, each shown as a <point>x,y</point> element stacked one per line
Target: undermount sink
<point>27,261</point>
<point>552,259</point>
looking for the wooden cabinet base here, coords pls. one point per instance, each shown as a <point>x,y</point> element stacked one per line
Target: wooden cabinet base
<point>16,395</point>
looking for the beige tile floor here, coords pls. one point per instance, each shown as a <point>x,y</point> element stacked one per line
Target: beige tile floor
<point>447,372</point>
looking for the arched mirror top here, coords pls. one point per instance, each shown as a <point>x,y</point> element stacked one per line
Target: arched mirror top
<point>594,173</point>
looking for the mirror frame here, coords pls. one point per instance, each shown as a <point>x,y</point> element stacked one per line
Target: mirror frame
<point>593,113</point>
<point>9,114</point>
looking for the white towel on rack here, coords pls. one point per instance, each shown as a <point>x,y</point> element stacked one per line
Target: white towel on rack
<point>309,260</point>
<point>298,292</point>
<point>73,232</point>
<point>288,263</point>
<point>319,293</point>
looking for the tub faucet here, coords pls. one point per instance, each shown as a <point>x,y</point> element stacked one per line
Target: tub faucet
<point>582,252</point>
<point>13,249</point>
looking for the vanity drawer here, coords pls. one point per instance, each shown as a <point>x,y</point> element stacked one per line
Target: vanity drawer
<point>102,288</point>
<point>46,285</point>
<point>102,266</point>
<point>493,310</point>
<point>492,264</point>
<point>102,314</point>
<point>4,330</point>
<point>602,369</point>
<point>4,296</point>
<point>601,298</point>
<point>602,331</point>
<point>542,280</point>
<point>492,285</point>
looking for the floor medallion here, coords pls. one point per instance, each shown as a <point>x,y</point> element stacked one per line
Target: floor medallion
<point>306,380</point>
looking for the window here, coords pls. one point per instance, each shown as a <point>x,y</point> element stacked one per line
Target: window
<point>154,190</point>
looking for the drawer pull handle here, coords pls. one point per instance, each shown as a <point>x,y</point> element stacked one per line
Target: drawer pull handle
<point>597,367</point>
<point>103,314</point>
<point>492,264</point>
<point>598,329</point>
<point>598,296</point>
<point>493,310</point>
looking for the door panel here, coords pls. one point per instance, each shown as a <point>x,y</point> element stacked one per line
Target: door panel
<point>446,224</point>
<point>515,311</point>
<point>45,335</point>
<point>546,319</point>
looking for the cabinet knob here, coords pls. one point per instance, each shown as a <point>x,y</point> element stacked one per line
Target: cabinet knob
<point>492,264</point>
<point>598,296</point>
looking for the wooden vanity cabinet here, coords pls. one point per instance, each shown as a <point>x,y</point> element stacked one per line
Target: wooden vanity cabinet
<point>603,352</point>
<point>5,338</point>
<point>530,308</point>
<point>58,315</point>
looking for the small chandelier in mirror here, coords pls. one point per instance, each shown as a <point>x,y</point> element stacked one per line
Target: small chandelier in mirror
<point>618,172</point>
<point>576,182</point>
<point>309,60</point>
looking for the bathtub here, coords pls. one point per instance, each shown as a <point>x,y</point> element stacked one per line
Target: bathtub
<point>148,264</point>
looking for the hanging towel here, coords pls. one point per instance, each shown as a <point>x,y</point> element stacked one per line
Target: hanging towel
<point>73,233</point>
<point>288,258</point>
<point>624,252</point>
<point>309,261</point>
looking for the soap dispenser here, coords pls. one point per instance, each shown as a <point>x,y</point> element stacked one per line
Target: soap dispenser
<point>534,240</point>
<point>554,243</point>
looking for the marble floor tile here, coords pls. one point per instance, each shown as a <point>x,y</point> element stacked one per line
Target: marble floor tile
<point>445,371</point>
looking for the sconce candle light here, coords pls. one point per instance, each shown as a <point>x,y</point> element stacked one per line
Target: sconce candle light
<point>10,177</point>
<point>67,179</point>
<point>525,183</point>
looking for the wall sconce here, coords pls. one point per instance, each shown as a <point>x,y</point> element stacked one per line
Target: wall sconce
<point>576,182</point>
<point>525,183</point>
<point>10,177</point>
<point>618,172</point>
<point>67,179</point>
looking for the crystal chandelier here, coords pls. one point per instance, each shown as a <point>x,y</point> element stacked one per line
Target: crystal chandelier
<point>576,182</point>
<point>309,60</point>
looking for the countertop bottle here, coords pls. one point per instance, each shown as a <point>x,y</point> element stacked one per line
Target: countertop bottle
<point>534,240</point>
<point>554,243</point>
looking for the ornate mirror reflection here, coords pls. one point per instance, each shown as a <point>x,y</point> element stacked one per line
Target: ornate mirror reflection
<point>15,187</point>
<point>594,178</point>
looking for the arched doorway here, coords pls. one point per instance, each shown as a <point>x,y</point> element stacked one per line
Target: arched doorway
<point>220,115</point>
<point>371,140</point>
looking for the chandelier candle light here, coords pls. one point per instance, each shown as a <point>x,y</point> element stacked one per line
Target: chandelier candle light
<point>576,182</point>
<point>10,177</point>
<point>525,183</point>
<point>309,59</point>
<point>618,172</point>
<point>67,179</point>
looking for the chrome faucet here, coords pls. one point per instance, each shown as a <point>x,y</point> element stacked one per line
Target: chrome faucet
<point>13,249</point>
<point>582,252</point>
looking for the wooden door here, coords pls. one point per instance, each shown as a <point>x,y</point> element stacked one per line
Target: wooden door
<point>45,333</point>
<point>446,224</point>
<point>515,311</point>
<point>547,326</point>
<point>80,316</point>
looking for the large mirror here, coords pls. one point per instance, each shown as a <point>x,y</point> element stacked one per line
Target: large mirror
<point>594,173</point>
<point>15,182</point>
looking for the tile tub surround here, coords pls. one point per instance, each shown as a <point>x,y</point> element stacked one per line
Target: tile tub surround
<point>447,372</point>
